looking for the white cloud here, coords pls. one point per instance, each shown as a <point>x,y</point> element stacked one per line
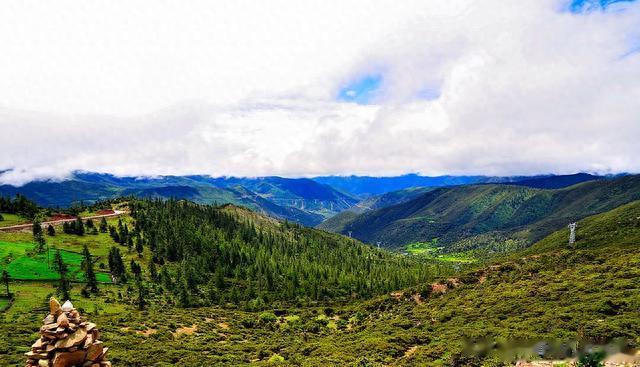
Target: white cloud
<point>523,88</point>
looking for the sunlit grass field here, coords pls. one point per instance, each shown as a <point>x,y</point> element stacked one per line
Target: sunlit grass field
<point>431,250</point>
<point>11,220</point>
<point>18,254</point>
<point>98,244</point>
<point>23,262</point>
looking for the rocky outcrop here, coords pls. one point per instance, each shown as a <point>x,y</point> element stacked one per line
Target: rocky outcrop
<point>66,340</point>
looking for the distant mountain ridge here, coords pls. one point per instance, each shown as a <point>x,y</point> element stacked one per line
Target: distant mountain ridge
<point>556,182</point>
<point>300,200</point>
<point>338,222</point>
<point>308,201</point>
<point>366,186</point>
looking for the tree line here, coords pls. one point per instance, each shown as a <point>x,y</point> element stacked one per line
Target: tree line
<point>19,205</point>
<point>215,255</point>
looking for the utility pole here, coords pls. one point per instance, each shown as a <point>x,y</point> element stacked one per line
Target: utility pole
<point>572,234</point>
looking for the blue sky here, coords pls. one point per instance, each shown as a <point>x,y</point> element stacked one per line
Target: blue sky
<point>361,90</point>
<point>579,6</point>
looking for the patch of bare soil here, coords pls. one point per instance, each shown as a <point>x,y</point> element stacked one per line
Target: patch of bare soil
<point>439,288</point>
<point>615,360</point>
<point>147,332</point>
<point>186,330</point>
<point>410,351</point>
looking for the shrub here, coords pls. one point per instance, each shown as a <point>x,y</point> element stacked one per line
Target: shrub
<point>591,360</point>
<point>248,323</point>
<point>267,317</point>
<point>276,358</point>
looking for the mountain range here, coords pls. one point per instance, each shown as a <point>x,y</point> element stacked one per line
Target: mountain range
<point>472,216</point>
<point>308,201</point>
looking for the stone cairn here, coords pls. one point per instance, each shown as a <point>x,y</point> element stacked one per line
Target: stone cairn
<point>67,341</point>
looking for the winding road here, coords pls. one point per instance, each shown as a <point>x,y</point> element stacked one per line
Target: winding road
<point>19,227</point>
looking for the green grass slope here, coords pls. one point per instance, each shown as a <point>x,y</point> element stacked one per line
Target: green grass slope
<point>11,220</point>
<point>587,294</point>
<point>453,214</point>
<point>614,229</point>
<point>23,263</point>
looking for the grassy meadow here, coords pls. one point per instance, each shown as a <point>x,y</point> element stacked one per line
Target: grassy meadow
<point>11,220</point>
<point>19,257</point>
<point>431,250</point>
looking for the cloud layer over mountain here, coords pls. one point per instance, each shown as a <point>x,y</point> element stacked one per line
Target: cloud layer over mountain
<point>262,88</point>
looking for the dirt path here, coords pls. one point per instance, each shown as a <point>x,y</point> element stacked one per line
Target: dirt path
<point>19,227</point>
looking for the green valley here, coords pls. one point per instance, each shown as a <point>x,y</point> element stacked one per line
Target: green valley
<point>457,215</point>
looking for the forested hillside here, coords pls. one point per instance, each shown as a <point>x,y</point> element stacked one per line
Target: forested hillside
<point>453,214</point>
<point>337,222</point>
<point>243,257</point>
<point>301,193</point>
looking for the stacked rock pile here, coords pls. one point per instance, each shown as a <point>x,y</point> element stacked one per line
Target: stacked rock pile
<point>67,341</point>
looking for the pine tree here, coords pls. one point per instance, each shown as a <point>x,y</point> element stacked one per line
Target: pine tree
<point>141,302</point>
<point>40,241</point>
<point>153,272</point>
<point>136,270</point>
<point>212,291</point>
<point>166,280</point>
<point>89,273</point>
<point>139,247</point>
<point>103,225</point>
<point>79,227</point>
<point>116,265</point>
<point>37,227</point>
<point>50,230</point>
<point>220,279</point>
<point>38,235</point>
<point>64,286</point>
<point>184,298</point>
<point>5,279</point>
